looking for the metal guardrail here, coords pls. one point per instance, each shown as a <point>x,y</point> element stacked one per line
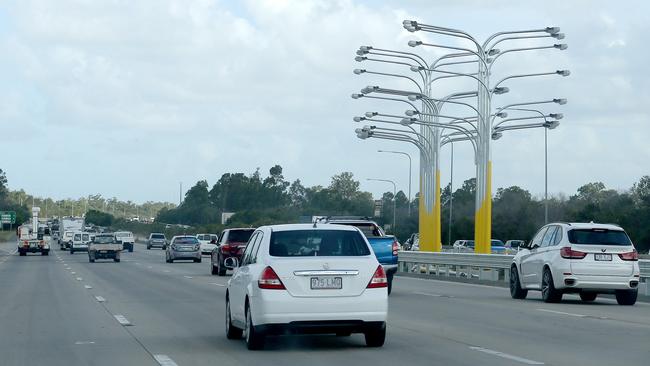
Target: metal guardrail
<point>491,267</point>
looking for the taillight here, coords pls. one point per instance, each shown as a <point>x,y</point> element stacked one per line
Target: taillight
<point>629,256</point>
<point>378,279</point>
<point>395,247</point>
<point>25,243</point>
<point>269,280</point>
<point>225,248</point>
<point>569,253</point>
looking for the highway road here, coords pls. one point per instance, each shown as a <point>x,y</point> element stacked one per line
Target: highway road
<point>63,310</point>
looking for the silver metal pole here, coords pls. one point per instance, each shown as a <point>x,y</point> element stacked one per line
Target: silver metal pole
<point>546,175</point>
<point>410,175</point>
<point>451,193</point>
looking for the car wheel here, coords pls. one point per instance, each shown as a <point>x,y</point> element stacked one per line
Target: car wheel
<point>164,247</point>
<point>221,269</point>
<point>549,293</point>
<point>390,284</point>
<point>516,292</point>
<point>45,252</point>
<point>213,270</point>
<point>626,297</point>
<point>131,249</point>
<point>588,296</point>
<point>22,254</point>
<point>232,332</point>
<point>148,247</point>
<point>376,337</point>
<point>197,260</point>
<point>254,340</point>
<point>71,251</point>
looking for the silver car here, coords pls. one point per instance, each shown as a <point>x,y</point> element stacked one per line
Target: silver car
<point>183,247</point>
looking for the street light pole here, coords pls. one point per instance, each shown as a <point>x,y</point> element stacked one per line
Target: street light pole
<point>451,193</point>
<point>410,176</point>
<point>394,198</point>
<point>546,175</point>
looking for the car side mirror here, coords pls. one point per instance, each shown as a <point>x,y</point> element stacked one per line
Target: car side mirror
<point>231,263</point>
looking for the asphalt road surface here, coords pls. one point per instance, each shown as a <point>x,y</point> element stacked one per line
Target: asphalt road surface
<point>62,310</point>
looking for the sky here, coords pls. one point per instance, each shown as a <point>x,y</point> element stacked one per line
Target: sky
<point>129,98</point>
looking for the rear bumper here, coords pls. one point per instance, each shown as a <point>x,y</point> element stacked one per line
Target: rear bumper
<point>110,254</point>
<point>156,245</point>
<point>319,327</point>
<point>279,307</point>
<point>33,249</point>
<point>185,255</point>
<point>595,283</point>
<point>79,248</point>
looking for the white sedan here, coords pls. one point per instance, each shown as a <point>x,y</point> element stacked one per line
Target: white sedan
<point>583,258</point>
<point>306,278</point>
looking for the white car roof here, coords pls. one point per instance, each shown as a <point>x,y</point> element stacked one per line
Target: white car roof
<point>590,225</point>
<point>289,227</point>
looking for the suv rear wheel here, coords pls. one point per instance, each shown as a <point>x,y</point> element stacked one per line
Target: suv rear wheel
<point>221,269</point>
<point>376,337</point>
<point>626,297</point>
<point>588,296</point>
<point>549,293</point>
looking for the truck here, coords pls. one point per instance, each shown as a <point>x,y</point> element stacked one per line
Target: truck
<point>125,238</point>
<point>385,246</point>
<point>67,226</point>
<point>32,237</point>
<point>104,246</point>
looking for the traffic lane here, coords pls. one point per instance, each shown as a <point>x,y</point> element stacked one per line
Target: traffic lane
<point>481,316</point>
<point>183,318</point>
<point>499,297</point>
<point>47,317</point>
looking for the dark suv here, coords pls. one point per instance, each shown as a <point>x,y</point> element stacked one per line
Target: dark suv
<point>231,243</point>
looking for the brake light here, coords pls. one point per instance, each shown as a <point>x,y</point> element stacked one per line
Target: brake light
<point>395,247</point>
<point>269,280</point>
<point>25,243</point>
<point>569,253</point>
<point>378,279</point>
<point>629,256</point>
<point>225,248</point>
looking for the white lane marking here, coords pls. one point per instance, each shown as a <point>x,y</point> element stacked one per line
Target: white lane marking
<point>217,284</point>
<point>100,299</point>
<point>427,294</point>
<point>87,287</point>
<point>507,356</point>
<point>187,276</point>
<point>122,319</point>
<point>79,279</point>
<point>84,342</point>
<point>73,272</point>
<point>164,360</point>
<point>137,262</point>
<point>166,271</point>
<point>562,313</point>
<point>150,267</point>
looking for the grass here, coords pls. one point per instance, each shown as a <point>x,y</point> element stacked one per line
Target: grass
<point>7,235</point>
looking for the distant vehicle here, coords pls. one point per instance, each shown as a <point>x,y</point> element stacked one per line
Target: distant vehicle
<point>584,258</point>
<point>408,244</point>
<point>157,240</point>
<point>512,246</point>
<point>80,241</point>
<point>463,245</point>
<point>33,238</point>
<point>231,243</point>
<point>103,246</point>
<point>386,247</point>
<point>497,246</point>
<point>183,247</point>
<point>208,242</point>
<point>300,278</point>
<point>416,244</point>
<point>125,238</point>
<point>69,224</point>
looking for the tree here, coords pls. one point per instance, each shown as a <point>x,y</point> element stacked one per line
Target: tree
<point>99,218</point>
<point>4,190</point>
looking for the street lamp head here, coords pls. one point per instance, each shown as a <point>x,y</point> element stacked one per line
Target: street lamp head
<point>361,53</point>
<point>415,68</point>
<point>493,52</point>
<point>551,124</point>
<point>365,49</point>
<point>558,35</point>
<point>496,135</point>
<point>369,89</point>
<point>502,114</point>
<point>409,22</point>
<point>371,114</point>
<point>359,71</point>
<point>414,97</point>
<point>414,43</point>
<point>552,30</point>
<point>356,95</point>
<point>556,115</point>
<point>407,121</point>
<point>358,119</point>
<point>360,58</point>
<point>560,101</point>
<point>561,46</point>
<point>563,72</point>
<point>501,90</point>
<point>411,113</point>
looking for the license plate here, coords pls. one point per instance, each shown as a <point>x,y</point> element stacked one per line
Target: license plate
<point>326,283</point>
<point>103,252</point>
<point>603,257</point>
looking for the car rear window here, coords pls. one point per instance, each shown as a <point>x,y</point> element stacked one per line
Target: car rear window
<point>104,239</point>
<point>239,236</point>
<point>598,237</point>
<point>318,243</point>
<point>186,240</point>
<point>157,236</point>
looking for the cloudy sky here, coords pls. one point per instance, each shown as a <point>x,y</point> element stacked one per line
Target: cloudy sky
<point>128,98</point>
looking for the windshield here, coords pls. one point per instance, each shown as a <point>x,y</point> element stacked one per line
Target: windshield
<point>598,237</point>
<point>85,237</point>
<point>186,240</point>
<point>122,235</point>
<point>157,236</point>
<point>239,236</point>
<point>104,239</point>
<point>497,243</point>
<point>77,237</point>
<point>321,243</point>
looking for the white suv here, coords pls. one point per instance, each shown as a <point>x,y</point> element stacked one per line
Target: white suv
<point>584,258</point>
<point>307,278</point>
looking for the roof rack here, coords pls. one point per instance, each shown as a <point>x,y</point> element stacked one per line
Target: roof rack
<point>348,218</point>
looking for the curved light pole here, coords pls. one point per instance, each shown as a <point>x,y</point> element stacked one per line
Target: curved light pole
<point>410,162</point>
<point>394,198</point>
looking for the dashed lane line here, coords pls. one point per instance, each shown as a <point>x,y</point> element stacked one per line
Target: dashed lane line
<point>507,356</point>
<point>122,320</point>
<point>100,299</point>
<point>164,360</point>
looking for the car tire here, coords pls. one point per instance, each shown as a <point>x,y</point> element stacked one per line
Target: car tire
<point>197,260</point>
<point>22,254</point>
<point>516,292</point>
<point>213,270</point>
<point>45,252</point>
<point>390,283</point>
<point>232,332</point>
<point>549,293</point>
<point>588,296</point>
<point>626,297</point>
<point>71,251</point>
<point>91,259</point>
<point>254,339</point>
<point>376,337</point>
<point>164,247</point>
<point>221,269</point>
<point>148,247</point>
<point>131,249</point>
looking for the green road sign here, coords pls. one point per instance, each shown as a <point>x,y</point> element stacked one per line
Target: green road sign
<point>7,217</point>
